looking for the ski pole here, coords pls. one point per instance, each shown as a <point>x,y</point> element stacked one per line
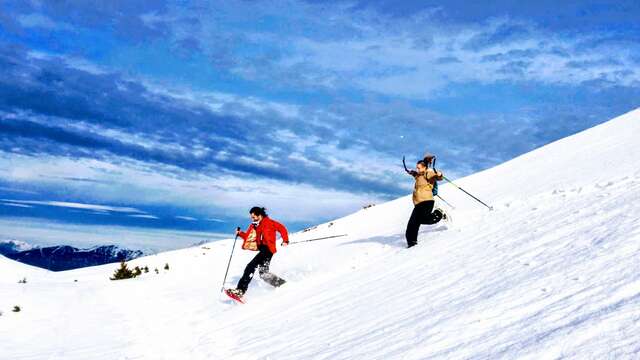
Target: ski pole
<point>445,201</point>
<point>322,238</point>
<point>466,192</point>
<point>405,166</point>
<point>229,264</point>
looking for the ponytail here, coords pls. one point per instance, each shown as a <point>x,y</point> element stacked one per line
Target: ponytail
<point>259,211</point>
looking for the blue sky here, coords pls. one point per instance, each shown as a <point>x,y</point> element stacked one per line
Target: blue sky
<point>187,113</point>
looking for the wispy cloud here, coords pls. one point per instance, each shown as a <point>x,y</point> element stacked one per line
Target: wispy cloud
<point>187,133</point>
<point>48,233</point>
<point>137,183</point>
<point>36,20</point>
<point>144,216</point>
<point>397,56</point>
<point>186,218</point>
<point>500,50</point>
<point>17,191</point>
<point>235,104</point>
<point>72,205</point>
<point>16,205</point>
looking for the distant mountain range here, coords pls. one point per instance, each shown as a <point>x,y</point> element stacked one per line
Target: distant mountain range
<point>59,258</point>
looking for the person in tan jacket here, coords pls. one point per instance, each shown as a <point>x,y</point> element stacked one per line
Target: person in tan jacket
<point>423,201</point>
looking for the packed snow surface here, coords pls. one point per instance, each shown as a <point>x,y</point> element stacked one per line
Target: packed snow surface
<point>552,272</point>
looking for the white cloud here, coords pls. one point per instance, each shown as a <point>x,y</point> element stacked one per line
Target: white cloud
<point>148,141</point>
<point>20,191</point>
<point>123,180</point>
<point>71,61</point>
<point>365,50</point>
<point>48,233</point>
<point>219,102</point>
<point>16,205</point>
<point>391,63</point>
<point>73,205</point>
<point>144,216</point>
<point>186,218</point>
<point>41,21</point>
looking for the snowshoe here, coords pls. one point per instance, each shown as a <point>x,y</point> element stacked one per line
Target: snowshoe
<point>445,216</point>
<point>235,294</point>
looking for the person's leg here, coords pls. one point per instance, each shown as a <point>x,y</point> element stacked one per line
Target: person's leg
<point>413,226</point>
<point>427,215</point>
<point>259,259</point>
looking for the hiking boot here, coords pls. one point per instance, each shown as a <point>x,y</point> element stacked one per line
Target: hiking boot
<point>236,292</point>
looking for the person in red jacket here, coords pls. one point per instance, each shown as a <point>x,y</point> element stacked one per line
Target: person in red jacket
<point>263,230</point>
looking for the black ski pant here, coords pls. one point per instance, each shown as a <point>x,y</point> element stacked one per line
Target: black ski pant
<point>422,215</point>
<point>260,261</point>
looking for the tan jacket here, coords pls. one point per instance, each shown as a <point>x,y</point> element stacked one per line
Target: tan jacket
<point>423,189</point>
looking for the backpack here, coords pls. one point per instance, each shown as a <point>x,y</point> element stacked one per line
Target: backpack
<point>435,184</point>
<point>250,242</point>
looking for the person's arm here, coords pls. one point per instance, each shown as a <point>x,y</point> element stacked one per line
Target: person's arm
<point>242,234</point>
<point>283,232</point>
<point>413,173</point>
<point>434,175</point>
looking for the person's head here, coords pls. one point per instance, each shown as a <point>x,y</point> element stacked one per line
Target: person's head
<point>257,213</point>
<point>421,166</point>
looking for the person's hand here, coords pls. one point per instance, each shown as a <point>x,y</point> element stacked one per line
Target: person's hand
<point>238,231</point>
<point>284,243</point>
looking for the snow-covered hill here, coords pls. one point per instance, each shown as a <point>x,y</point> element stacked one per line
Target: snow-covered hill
<point>553,272</point>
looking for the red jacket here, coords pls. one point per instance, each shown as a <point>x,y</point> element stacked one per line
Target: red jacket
<point>266,233</point>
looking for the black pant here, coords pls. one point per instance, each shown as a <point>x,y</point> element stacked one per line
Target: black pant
<point>422,214</point>
<point>260,261</point>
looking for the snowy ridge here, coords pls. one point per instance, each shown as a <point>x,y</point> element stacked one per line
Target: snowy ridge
<point>63,257</point>
<point>553,272</point>
<point>13,246</point>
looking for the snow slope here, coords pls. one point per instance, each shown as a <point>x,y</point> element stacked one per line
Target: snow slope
<point>553,272</point>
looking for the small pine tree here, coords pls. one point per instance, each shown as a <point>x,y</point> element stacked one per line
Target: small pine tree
<point>16,308</point>
<point>137,271</point>
<point>123,272</point>
<point>23,281</point>
<point>146,269</point>
<point>157,271</point>
<point>166,266</point>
